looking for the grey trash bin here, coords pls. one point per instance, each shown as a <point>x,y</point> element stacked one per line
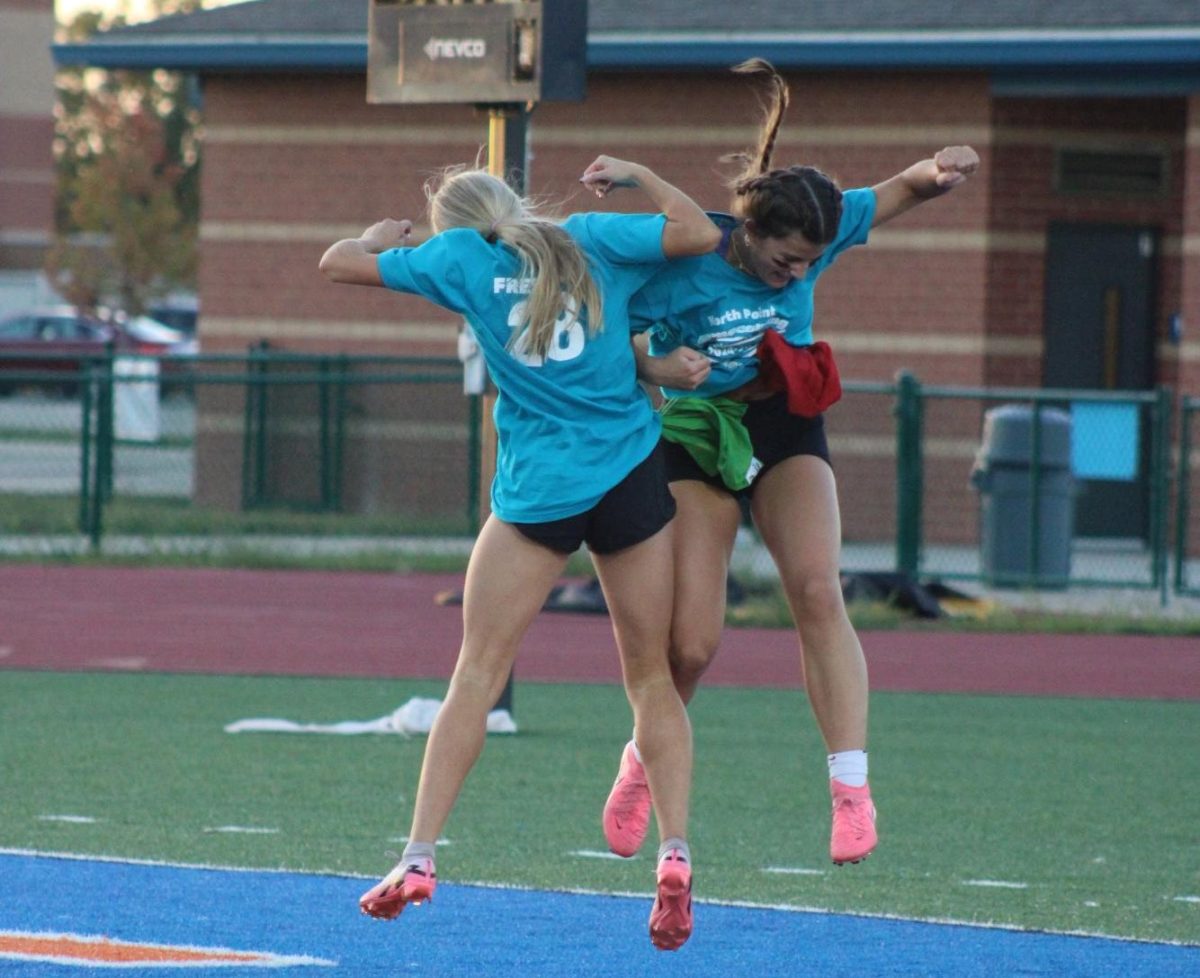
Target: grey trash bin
<point>1003,474</point>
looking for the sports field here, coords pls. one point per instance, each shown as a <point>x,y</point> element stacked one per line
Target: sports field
<point>1047,833</point>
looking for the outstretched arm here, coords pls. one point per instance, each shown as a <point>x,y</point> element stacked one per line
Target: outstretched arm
<point>689,231</point>
<point>923,181</point>
<point>352,261</point>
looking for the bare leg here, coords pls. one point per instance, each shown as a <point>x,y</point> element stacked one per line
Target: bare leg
<point>703,532</point>
<point>795,508</point>
<point>705,529</point>
<point>508,579</point>
<point>637,585</point>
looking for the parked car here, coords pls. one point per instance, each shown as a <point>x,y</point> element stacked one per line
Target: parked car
<point>173,348</point>
<point>179,311</point>
<point>153,337</point>
<point>60,340</point>
<point>57,341</point>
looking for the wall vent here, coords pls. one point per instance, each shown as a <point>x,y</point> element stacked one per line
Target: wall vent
<point>1090,171</point>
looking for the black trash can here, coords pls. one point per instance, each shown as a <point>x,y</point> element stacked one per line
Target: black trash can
<point>1003,474</point>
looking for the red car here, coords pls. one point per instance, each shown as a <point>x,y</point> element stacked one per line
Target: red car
<point>61,340</point>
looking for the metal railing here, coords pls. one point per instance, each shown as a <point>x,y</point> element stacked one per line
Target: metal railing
<point>260,444</point>
<point>914,404</point>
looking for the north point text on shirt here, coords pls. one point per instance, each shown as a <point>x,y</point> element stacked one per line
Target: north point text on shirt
<point>734,315</point>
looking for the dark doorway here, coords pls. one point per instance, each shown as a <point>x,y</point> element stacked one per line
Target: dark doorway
<point>1101,281</point>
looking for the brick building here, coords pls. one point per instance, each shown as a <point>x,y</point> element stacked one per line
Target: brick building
<point>26,139</point>
<point>1086,115</point>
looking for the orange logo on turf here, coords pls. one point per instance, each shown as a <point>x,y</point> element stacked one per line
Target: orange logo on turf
<point>104,952</point>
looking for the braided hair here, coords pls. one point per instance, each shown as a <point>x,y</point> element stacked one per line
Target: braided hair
<point>781,201</point>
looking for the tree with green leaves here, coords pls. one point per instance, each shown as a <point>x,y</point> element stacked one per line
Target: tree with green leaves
<point>128,173</point>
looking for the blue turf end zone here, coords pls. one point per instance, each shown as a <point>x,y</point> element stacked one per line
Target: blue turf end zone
<point>492,933</point>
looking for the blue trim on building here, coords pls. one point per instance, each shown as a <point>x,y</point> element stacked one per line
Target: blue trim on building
<point>970,51</point>
<point>230,55</point>
<point>1120,64</point>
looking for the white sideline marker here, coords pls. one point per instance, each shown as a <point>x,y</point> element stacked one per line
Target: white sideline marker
<point>998,884</point>
<point>241,829</point>
<point>793,870</point>
<point>788,908</point>
<point>596,854</point>
<point>1187,899</point>
<point>73,819</point>
<point>129,662</point>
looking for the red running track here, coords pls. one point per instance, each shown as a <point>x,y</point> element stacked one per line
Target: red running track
<point>316,623</point>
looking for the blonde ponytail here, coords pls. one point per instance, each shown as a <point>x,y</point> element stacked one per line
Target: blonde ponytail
<point>562,283</point>
<point>561,280</point>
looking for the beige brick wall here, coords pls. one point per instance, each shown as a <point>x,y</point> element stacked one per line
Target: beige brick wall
<point>951,291</point>
<point>26,131</point>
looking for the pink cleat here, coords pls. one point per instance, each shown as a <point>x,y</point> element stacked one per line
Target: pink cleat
<point>627,811</point>
<point>853,837</point>
<point>671,918</point>
<point>411,882</point>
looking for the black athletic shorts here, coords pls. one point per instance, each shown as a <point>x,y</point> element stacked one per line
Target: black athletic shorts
<point>633,510</point>
<point>775,434</point>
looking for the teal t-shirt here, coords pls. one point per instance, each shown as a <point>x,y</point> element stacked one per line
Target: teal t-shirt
<point>571,426</point>
<point>707,304</point>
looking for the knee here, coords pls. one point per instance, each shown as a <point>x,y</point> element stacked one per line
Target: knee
<point>690,657</point>
<point>482,675</point>
<point>818,599</point>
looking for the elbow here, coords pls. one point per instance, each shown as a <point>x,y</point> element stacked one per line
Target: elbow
<point>334,269</point>
<point>705,239</point>
<point>337,264</point>
<point>710,238</point>
<point>687,239</point>
<point>702,240</point>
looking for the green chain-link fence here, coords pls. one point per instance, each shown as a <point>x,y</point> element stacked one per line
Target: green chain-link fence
<point>1187,519</point>
<point>940,483</point>
<point>237,450</point>
<point>250,449</point>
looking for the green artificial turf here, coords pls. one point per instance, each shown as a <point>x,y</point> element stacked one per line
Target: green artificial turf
<point>1042,813</point>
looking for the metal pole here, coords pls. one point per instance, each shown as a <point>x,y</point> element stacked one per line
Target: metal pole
<point>261,394</point>
<point>909,475</point>
<point>323,435</point>
<point>1160,492</point>
<point>254,438</point>
<point>507,159</point>
<point>86,448</point>
<point>507,126</point>
<point>105,447</point>
<point>1182,488</point>
<point>1035,495</point>
<point>474,456</point>
<point>339,431</point>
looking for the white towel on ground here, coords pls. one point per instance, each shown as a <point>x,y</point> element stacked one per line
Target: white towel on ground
<point>414,717</point>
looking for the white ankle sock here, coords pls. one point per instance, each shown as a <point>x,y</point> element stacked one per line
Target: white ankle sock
<point>675,843</point>
<point>849,767</point>
<point>415,851</point>
<point>636,753</point>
